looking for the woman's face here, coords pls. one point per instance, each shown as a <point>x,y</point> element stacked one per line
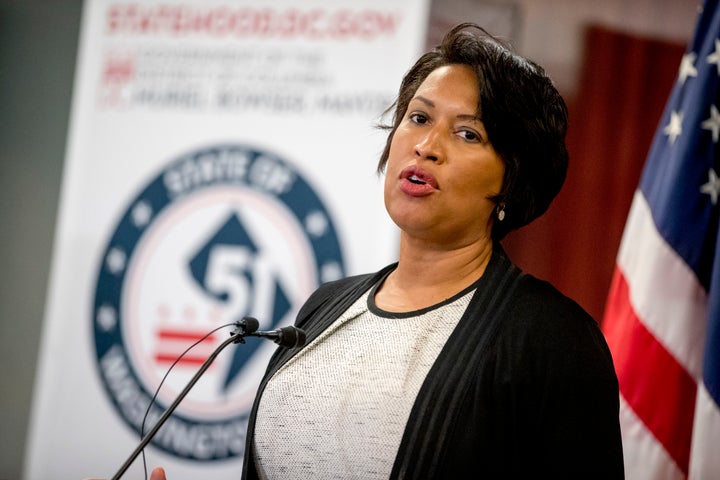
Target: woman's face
<point>441,169</point>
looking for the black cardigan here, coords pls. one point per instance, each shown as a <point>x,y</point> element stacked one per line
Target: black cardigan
<point>524,387</point>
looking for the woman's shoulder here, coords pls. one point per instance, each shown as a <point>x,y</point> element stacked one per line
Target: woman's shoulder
<point>542,317</point>
<point>539,297</point>
<point>548,338</point>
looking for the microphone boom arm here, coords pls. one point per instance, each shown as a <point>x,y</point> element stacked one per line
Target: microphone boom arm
<point>235,337</point>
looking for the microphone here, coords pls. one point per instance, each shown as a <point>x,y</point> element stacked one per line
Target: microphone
<point>288,337</point>
<point>247,325</point>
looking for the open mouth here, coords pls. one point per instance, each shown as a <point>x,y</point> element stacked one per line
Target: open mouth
<point>421,180</point>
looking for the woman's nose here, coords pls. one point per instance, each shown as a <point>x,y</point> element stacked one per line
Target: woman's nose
<point>430,146</point>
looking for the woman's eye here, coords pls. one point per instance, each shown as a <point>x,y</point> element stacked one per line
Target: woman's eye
<point>470,136</point>
<point>418,118</point>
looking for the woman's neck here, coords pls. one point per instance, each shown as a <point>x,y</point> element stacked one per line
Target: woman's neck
<point>427,275</point>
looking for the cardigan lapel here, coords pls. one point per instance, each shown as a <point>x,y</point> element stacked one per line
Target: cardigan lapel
<point>432,416</point>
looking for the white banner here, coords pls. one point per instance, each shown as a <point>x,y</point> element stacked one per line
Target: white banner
<point>221,163</point>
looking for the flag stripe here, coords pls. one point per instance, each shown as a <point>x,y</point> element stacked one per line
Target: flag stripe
<point>705,460</point>
<point>189,336</point>
<point>661,393</point>
<point>645,458</point>
<point>663,288</point>
<point>656,356</point>
<point>187,359</point>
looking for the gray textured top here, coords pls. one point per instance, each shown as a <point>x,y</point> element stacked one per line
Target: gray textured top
<point>338,409</point>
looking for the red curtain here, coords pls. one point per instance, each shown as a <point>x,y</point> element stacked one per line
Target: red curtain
<point>625,82</point>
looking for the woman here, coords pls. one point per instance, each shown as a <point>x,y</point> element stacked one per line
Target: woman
<point>451,363</point>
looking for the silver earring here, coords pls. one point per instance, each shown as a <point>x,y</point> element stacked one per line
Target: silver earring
<point>501,212</point>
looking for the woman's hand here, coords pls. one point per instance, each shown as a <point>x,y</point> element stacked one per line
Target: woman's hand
<point>158,473</point>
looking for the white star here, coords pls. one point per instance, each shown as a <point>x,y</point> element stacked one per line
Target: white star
<point>141,214</point>
<point>330,271</point>
<point>713,123</point>
<point>674,128</point>
<point>316,224</point>
<point>715,56</point>
<point>106,318</point>
<point>687,67</point>
<point>116,260</point>
<point>712,187</point>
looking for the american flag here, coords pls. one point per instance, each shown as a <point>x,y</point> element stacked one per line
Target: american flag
<point>662,319</point>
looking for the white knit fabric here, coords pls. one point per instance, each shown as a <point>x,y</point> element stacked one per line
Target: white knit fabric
<point>338,409</point>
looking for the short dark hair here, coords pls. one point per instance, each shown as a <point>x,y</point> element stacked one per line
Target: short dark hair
<point>524,116</point>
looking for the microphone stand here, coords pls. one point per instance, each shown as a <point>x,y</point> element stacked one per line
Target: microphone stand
<point>235,337</point>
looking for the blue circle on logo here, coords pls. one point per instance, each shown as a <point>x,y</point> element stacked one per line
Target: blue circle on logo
<point>166,224</point>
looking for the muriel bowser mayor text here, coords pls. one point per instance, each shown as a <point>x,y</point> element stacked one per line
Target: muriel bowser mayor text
<point>225,21</point>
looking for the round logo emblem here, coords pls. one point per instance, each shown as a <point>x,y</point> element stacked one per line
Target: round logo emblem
<point>221,233</point>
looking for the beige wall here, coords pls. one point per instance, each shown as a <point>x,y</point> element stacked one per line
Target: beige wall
<point>552,29</point>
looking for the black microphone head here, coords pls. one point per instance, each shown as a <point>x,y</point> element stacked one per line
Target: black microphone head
<point>249,324</point>
<point>300,342</point>
<point>290,337</point>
